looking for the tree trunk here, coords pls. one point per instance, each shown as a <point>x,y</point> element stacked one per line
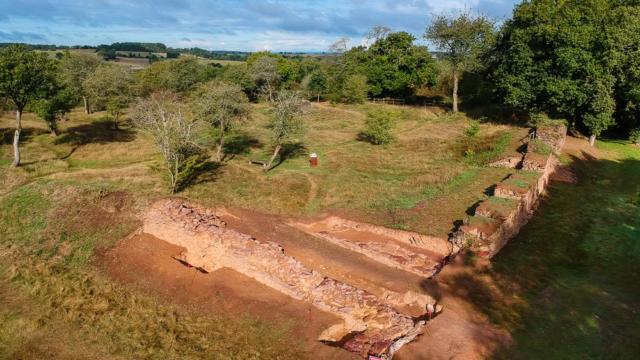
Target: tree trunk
<point>86,105</point>
<point>16,139</point>
<point>115,121</point>
<point>219,152</point>
<point>318,98</point>
<point>592,140</point>
<point>276,151</point>
<point>173,172</point>
<point>455,91</point>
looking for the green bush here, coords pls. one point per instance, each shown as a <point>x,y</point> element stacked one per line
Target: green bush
<point>379,126</point>
<point>355,89</point>
<point>634,136</point>
<point>473,129</point>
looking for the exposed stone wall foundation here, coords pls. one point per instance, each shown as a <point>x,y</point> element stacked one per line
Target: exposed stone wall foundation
<point>370,324</point>
<point>404,250</point>
<point>501,217</point>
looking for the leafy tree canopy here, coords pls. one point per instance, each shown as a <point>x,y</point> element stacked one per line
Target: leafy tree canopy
<point>393,65</point>
<point>577,59</point>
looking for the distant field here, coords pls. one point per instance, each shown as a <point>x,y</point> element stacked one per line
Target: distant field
<point>221,62</point>
<point>133,63</point>
<point>52,53</point>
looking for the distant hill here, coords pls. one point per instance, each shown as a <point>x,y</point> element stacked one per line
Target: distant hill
<point>117,49</point>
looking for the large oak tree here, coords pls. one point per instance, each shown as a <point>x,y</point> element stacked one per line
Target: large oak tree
<point>576,59</point>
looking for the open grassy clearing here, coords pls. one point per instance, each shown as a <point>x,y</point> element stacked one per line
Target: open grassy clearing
<point>422,181</point>
<point>398,185</point>
<point>80,192</point>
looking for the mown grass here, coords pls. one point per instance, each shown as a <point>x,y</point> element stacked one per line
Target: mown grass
<point>567,283</point>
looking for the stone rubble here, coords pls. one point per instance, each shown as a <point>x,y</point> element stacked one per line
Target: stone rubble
<point>431,243</point>
<point>370,325</point>
<point>379,246</point>
<point>491,227</point>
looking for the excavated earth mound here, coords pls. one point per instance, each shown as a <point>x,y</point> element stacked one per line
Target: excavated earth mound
<point>370,324</point>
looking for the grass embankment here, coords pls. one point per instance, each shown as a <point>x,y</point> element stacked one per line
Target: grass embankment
<point>567,287</point>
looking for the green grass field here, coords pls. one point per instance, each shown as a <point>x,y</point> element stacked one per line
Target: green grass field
<point>567,286</point>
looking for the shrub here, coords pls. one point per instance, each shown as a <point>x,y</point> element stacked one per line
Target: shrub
<point>474,129</point>
<point>634,136</point>
<point>378,126</point>
<point>354,90</point>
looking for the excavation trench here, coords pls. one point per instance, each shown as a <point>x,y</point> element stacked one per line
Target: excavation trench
<point>408,251</point>
<point>370,324</point>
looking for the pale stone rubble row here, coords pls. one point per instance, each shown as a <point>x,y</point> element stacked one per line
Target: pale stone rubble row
<point>209,245</point>
<point>431,243</point>
<point>383,245</point>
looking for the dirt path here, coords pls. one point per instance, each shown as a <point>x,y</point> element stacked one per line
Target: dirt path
<point>461,331</point>
<point>313,189</point>
<point>580,148</point>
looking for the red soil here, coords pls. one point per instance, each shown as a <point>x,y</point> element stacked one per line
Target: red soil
<point>147,263</point>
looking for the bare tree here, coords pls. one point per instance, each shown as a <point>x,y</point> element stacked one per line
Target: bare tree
<point>286,121</point>
<point>376,33</point>
<point>264,73</point>
<point>222,105</point>
<point>174,132</point>
<point>340,46</point>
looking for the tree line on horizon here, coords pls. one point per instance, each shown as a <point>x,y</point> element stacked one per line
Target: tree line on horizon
<point>574,60</point>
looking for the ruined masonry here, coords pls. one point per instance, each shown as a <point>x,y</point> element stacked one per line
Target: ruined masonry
<point>405,250</point>
<point>501,217</point>
<point>370,324</point>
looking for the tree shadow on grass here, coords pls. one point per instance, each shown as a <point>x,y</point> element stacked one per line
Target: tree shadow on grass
<point>565,282</point>
<point>240,144</point>
<point>97,132</point>
<point>497,115</point>
<point>6,134</point>
<point>290,151</point>
<point>201,170</point>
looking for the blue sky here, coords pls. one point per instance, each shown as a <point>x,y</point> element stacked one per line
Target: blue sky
<point>247,25</point>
